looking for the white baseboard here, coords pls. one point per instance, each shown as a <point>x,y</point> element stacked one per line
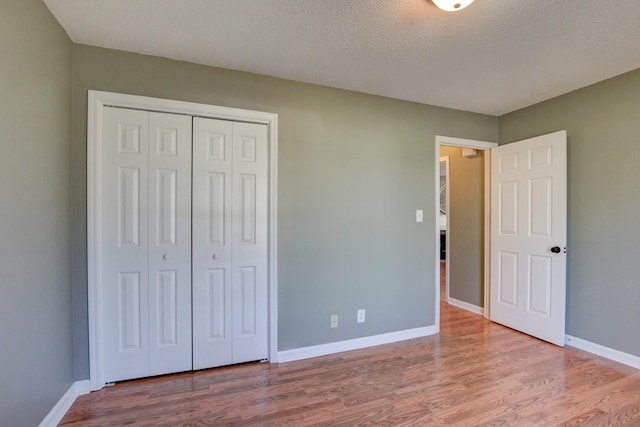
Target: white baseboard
<point>600,350</point>
<point>56,413</point>
<point>466,306</point>
<point>354,344</point>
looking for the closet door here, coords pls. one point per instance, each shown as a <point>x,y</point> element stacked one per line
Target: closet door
<point>144,221</point>
<point>230,297</point>
<point>123,217</point>
<point>169,243</point>
<point>249,242</point>
<point>212,217</point>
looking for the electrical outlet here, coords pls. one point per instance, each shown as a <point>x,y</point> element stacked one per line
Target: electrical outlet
<point>334,320</point>
<point>361,315</point>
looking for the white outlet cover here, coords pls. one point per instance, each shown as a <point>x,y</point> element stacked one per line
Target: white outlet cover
<point>334,320</point>
<point>419,215</point>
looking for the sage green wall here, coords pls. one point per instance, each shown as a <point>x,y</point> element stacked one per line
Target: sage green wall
<point>603,127</point>
<point>36,362</point>
<point>353,168</point>
<point>466,226</point>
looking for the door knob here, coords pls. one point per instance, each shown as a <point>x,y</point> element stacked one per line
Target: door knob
<point>214,256</point>
<point>165,256</point>
<point>556,249</point>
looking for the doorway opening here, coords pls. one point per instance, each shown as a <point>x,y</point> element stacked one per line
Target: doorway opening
<point>465,259</point>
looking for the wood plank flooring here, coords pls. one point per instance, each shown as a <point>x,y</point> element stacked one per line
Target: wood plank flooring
<point>474,373</point>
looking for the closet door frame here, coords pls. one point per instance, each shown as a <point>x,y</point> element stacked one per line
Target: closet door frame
<point>97,100</point>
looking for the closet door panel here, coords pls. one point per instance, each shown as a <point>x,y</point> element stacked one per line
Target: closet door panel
<point>123,219</point>
<point>212,218</point>
<point>249,242</point>
<point>169,243</point>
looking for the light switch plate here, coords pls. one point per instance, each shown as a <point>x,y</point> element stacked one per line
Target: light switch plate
<point>419,215</point>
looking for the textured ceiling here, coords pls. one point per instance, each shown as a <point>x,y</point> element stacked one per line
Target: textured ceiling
<point>493,57</point>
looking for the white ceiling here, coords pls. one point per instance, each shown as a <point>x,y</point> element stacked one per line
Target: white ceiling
<point>493,57</point>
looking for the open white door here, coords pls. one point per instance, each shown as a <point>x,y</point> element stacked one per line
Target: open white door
<point>529,235</point>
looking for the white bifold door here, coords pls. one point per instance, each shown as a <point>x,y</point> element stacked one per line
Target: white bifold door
<point>230,321</point>
<point>145,226</point>
<point>183,225</point>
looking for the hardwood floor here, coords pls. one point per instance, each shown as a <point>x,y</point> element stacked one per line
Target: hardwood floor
<point>474,373</point>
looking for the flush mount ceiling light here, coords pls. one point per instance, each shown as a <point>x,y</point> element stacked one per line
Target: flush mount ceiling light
<point>452,5</point>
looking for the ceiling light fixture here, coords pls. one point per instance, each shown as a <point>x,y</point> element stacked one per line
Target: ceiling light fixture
<point>452,5</point>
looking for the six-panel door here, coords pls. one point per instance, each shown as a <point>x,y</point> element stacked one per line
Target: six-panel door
<point>528,220</point>
<point>230,320</point>
<point>145,226</point>
<point>184,226</point>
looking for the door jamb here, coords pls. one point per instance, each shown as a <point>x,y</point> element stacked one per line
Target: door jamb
<point>478,145</point>
<point>97,100</point>
<point>446,161</point>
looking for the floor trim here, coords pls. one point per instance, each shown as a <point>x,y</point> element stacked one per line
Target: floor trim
<point>353,344</point>
<point>466,306</point>
<point>600,350</point>
<point>56,413</point>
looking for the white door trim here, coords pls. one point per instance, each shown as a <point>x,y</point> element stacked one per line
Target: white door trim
<point>446,161</point>
<point>478,145</point>
<point>97,100</point>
